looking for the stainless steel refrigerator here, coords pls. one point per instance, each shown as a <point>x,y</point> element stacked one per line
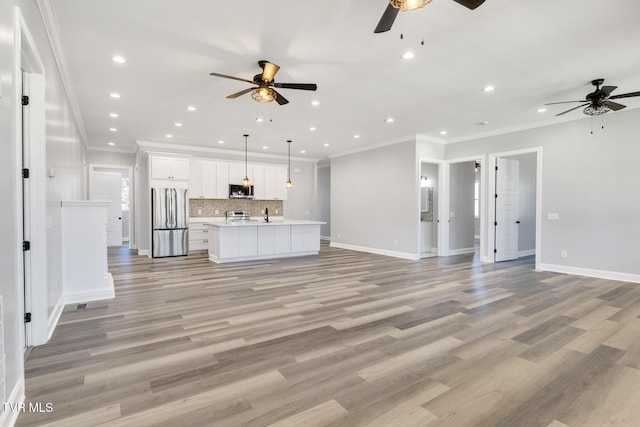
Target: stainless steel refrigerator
<point>170,222</point>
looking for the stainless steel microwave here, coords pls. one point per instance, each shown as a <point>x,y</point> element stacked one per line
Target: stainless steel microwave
<point>239,191</point>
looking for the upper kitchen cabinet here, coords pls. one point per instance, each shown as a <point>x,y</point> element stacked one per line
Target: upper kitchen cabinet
<point>222,180</point>
<point>203,179</point>
<point>171,168</point>
<point>237,173</point>
<point>275,178</point>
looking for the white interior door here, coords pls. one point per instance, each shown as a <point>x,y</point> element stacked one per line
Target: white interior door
<point>108,186</point>
<point>506,221</point>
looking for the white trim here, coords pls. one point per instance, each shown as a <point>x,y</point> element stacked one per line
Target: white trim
<point>55,316</point>
<point>112,149</point>
<point>587,272</point>
<point>462,251</point>
<point>491,184</point>
<point>327,238</point>
<point>528,252</point>
<point>217,260</point>
<point>8,417</point>
<point>100,294</point>
<point>149,147</point>
<point>395,254</point>
<point>143,252</point>
<point>55,40</point>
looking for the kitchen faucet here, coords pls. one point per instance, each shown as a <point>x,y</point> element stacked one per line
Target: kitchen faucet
<point>266,214</point>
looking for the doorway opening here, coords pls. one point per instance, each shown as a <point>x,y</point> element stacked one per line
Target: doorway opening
<point>429,208</point>
<point>515,215</point>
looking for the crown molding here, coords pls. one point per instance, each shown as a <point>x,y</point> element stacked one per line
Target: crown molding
<point>410,138</point>
<point>111,150</point>
<point>148,146</point>
<point>52,29</point>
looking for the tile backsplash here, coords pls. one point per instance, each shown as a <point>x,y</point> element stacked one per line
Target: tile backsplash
<point>208,207</point>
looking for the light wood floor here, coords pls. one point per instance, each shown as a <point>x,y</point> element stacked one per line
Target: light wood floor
<point>342,339</point>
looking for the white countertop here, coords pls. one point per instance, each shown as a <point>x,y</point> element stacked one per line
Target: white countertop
<point>262,223</point>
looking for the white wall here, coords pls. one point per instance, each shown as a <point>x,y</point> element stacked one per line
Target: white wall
<point>112,158</point>
<point>591,181</point>
<point>375,200</point>
<point>64,153</point>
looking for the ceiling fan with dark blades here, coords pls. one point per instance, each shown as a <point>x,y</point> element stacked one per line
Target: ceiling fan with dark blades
<point>395,6</point>
<point>599,101</point>
<point>263,90</point>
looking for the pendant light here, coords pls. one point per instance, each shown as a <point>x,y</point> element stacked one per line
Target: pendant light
<point>245,181</point>
<point>289,184</point>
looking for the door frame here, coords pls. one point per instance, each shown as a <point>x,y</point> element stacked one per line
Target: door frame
<point>127,171</point>
<point>35,294</point>
<point>443,246</point>
<point>490,189</point>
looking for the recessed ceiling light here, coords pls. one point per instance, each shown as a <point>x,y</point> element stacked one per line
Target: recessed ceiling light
<point>220,142</point>
<point>265,147</point>
<point>443,132</point>
<point>114,115</point>
<point>191,108</point>
<point>168,135</point>
<point>389,120</point>
<point>111,143</point>
<point>312,128</point>
<point>483,123</point>
<point>356,136</point>
<point>119,59</point>
<point>408,55</point>
<point>315,102</point>
<point>489,89</point>
<point>303,151</point>
<point>259,119</point>
<point>113,129</point>
<point>541,110</point>
<point>178,124</point>
<point>114,95</point>
<point>326,145</point>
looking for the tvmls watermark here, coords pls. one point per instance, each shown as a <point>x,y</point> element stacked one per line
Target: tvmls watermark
<point>38,407</point>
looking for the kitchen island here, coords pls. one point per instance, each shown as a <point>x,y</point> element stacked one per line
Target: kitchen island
<point>256,240</point>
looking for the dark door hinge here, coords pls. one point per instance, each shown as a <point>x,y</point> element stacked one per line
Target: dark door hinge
<point>27,318</point>
<point>495,223</point>
<point>26,245</point>
<point>25,173</point>
<point>25,100</point>
<point>496,168</point>
<point>495,251</point>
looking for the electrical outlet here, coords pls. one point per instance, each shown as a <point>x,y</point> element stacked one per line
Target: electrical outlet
<point>199,211</point>
<point>306,212</point>
<point>563,253</point>
<point>553,216</point>
<point>262,212</point>
<point>395,242</point>
<point>339,235</point>
<point>277,211</point>
<point>217,212</point>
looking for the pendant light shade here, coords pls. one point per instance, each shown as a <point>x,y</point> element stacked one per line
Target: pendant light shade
<point>245,181</point>
<point>289,184</point>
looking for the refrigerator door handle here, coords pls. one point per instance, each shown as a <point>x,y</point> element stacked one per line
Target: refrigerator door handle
<point>171,208</point>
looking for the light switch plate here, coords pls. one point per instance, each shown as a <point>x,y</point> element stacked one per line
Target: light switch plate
<point>553,216</point>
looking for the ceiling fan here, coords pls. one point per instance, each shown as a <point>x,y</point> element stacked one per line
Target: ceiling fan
<point>394,6</point>
<point>599,101</point>
<point>263,91</point>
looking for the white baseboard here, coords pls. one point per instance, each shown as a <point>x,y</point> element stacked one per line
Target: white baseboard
<point>11,409</point>
<point>600,274</point>
<point>461,251</point>
<point>325,238</point>
<point>528,252</point>
<point>395,254</point>
<point>143,252</point>
<point>55,316</point>
<point>108,292</point>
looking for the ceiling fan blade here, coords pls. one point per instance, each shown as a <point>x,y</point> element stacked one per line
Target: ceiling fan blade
<point>614,105</point>
<point>303,86</point>
<point>625,95</point>
<point>470,4</point>
<point>606,90</point>
<point>230,77</point>
<point>387,19</point>
<point>280,99</point>
<point>574,108</point>
<point>564,102</point>
<point>269,72</point>
<point>242,92</point>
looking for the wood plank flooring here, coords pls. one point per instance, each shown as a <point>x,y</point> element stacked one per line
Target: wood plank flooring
<point>342,339</point>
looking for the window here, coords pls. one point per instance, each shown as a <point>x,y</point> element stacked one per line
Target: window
<point>125,194</point>
<point>476,201</point>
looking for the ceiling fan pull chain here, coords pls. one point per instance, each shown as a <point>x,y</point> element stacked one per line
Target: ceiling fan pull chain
<point>602,121</point>
<point>401,26</point>
<point>591,125</point>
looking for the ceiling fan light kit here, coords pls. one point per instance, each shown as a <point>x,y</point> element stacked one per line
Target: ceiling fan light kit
<point>409,4</point>
<point>599,101</point>
<point>264,94</point>
<point>395,6</point>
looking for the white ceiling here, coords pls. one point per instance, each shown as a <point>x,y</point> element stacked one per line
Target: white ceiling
<point>533,52</point>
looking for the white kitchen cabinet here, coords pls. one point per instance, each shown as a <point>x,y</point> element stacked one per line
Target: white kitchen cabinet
<point>275,178</point>
<point>258,182</point>
<point>198,235</point>
<point>172,168</point>
<point>202,179</point>
<point>222,180</point>
<point>237,173</point>
<point>305,238</point>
